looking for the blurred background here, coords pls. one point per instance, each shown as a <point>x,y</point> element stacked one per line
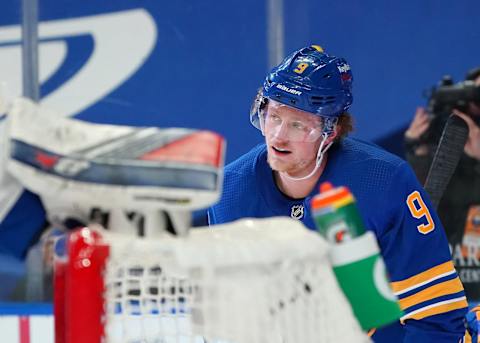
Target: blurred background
<point>198,63</point>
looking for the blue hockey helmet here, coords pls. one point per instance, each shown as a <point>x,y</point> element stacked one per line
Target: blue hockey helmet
<point>309,80</point>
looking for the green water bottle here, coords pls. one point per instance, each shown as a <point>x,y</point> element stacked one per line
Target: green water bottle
<point>355,257</point>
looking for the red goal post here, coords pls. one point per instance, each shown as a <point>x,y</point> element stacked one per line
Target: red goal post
<point>79,287</point>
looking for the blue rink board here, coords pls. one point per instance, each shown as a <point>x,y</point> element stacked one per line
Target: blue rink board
<point>25,309</point>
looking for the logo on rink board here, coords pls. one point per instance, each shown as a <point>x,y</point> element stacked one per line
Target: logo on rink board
<point>297,211</point>
<point>82,89</point>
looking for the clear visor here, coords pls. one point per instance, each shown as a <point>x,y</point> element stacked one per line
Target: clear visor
<point>288,123</point>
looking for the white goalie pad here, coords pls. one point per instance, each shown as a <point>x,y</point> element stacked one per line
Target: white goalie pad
<point>250,281</point>
<point>114,166</point>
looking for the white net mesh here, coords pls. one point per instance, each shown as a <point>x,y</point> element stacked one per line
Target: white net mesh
<point>252,281</point>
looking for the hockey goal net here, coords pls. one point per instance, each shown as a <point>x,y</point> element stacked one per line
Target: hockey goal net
<point>252,281</point>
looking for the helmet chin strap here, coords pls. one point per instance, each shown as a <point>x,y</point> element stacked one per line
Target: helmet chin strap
<point>321,151</point>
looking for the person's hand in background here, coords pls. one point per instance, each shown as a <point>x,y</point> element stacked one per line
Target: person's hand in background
<point>419,125</point>
<point>472,147</point>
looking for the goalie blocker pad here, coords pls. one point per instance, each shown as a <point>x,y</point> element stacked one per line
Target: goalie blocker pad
<point>118,166</point>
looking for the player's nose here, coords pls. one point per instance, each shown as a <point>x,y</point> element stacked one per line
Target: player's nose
<point>281,132</point>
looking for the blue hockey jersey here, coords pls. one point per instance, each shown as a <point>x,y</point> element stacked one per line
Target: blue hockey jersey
<point>394,206</point>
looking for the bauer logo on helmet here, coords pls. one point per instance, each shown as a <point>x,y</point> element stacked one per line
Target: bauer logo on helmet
<point>288,89</point>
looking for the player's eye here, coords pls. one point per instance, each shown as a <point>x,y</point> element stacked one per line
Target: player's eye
<point>275,118</point>
<point>298,125</point>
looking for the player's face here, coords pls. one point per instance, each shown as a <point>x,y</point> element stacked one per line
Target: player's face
<point>292,137</point>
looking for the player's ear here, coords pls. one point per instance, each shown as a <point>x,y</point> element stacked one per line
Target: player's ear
<point>333,134</point>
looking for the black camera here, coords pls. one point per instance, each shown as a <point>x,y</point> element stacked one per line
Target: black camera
<point>444,99</point>
<point>449,96</point>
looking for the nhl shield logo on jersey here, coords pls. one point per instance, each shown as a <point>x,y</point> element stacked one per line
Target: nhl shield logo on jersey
<point>297,211</point>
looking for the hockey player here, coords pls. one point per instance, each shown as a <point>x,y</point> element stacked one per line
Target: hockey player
<point>301,111</point>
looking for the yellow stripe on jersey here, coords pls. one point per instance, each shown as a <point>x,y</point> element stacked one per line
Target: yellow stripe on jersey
<point>423,278</point>
<point>467,338</point>
<point>432,292</point>
<point>437,308</point>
